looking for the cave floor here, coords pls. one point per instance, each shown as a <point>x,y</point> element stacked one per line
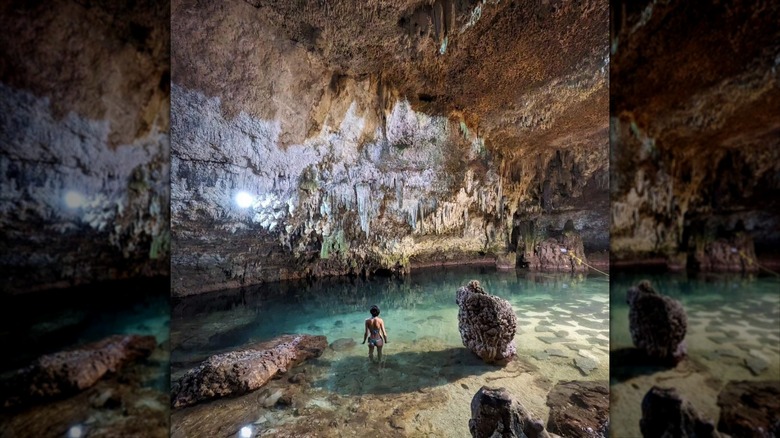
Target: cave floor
<point>732,319</point>
<point>426,382</point>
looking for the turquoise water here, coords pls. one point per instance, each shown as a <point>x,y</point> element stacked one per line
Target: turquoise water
<point>732,320</point>
<point>560,318</point>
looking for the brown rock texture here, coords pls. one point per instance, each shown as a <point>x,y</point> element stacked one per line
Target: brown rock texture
<point>736,255</point>
<point>487,324</point>
<point>579,409</point>
<point>374,137</point>
<point>68,372</point>
<point>665,413</point>
<point>566,253</point>
<point>239,372</point>
<point>495,413</point>
<point>695,148</point>
<point>750,409</point>
<point>84,142</point>
<point>658,324</point>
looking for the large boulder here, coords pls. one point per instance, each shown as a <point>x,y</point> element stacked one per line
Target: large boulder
<point>67,372</point>
<point>565,253</point>
<point>666,414</point>
<point>239,372</point>
<point>496,414</point>
<point>658,324</point>
<point>487,324</point>
<point>579,409</point>
<point>750,409</point>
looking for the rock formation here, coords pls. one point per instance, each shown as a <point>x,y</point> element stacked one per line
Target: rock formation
<point>368,137</point>
<point>487,324</point>
<point>565,253</point>
<point>239,372</point>
<point>732,255</point>
<point>750,409</point>
<point>68,372</point>
<point>579,409</point>
<point>665,414</point>
<point>657,323</point>
<point>694,133</point>
<point>84,142</point>
<point>495,413</point>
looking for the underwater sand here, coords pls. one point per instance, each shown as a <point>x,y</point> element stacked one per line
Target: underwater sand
<point>427,381</point>
<point>731,318</point>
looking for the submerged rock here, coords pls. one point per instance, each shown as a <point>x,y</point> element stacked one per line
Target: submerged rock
<point>343,344</point>
<point>750,409</point>
<point>487,323</point>
<point>666,414</point>
<point>239,372</point>
<point>68,372</point>
<point>495,413</point>
<point>658,323</point>
<point>579,409</point>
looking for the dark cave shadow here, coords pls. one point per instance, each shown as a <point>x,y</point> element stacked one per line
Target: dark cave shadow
<point>402,372</point>
<point>627,363</point>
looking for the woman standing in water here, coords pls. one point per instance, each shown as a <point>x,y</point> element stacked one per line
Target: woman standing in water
<point>375,333</point>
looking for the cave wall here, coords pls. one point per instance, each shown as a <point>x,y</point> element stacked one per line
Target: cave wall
<point>359,155</point>
<point>84,142</point>
<point>695,149</point>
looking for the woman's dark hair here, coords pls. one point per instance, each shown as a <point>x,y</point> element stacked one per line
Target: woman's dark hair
<point>374,311</point>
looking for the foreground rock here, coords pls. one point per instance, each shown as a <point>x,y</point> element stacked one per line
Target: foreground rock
<point>658,323</point>
<point>495,413</point>
<point>750,409</point>
<point>666,414</point>
<point>487,324</point>
<point>68,372</point>
<point>579,409</point>
<point>239,372</point>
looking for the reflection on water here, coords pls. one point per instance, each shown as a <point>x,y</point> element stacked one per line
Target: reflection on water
<point>561,319</point>
<point>733,334</point>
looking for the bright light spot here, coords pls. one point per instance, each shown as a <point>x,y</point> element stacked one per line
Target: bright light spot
<point>74,199</point>
<point>563,250</point>
<point>75,431</point>
<point>244,199</point>
<point>245,432</point>
<point>733,250</point>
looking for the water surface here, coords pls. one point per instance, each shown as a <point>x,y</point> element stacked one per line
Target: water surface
<point>425,385</point>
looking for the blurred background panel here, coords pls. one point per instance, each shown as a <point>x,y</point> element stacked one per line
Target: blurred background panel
<point>84,217</point>
<point>695,210</point>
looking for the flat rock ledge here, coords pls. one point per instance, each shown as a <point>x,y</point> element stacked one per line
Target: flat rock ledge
<point>243,371</point>
<point>579,409</point>
<point>68,372</point>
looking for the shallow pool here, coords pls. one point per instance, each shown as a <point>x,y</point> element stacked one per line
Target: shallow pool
<point>425,385</point>
<point>733,320</point>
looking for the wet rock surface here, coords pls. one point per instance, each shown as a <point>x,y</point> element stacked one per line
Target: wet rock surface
<point>736,254</point>
<point>239,372</point>
<point>657,323</point>
<point>566,254</point>
<point>487,324</point>
<point>750,409</point>
<point>666,413</point>
<point>68,372</point>
<point>494,412</point>
<point>579,409</point>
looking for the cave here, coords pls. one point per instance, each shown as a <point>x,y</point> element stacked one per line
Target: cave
<point>85,225</point>
<point>694,180</point>
<point>328,156</point>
